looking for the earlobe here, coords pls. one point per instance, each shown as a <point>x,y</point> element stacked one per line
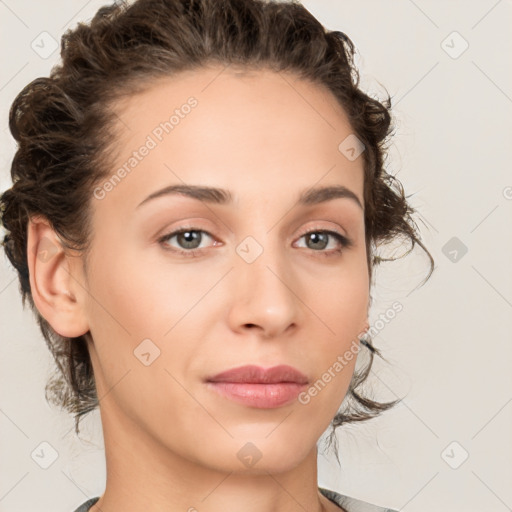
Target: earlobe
<point>56,292</point>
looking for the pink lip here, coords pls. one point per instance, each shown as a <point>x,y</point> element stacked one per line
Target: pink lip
<point>258,387</point>
<point>258,375</point>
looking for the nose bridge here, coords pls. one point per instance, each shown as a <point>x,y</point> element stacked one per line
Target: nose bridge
<point>262,293</point>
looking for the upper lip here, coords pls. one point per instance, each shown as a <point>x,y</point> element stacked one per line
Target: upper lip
<point>257,374</point>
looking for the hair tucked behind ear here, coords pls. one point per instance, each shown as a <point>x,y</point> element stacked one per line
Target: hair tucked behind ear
<point>63,126</point>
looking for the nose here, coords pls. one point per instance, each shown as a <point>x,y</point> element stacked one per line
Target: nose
<point>263,296</point>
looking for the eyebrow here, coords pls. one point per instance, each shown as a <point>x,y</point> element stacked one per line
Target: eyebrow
<point>221,196</point>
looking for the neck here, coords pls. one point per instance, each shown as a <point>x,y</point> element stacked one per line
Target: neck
<point>143,474</point>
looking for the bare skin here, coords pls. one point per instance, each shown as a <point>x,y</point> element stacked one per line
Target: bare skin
<point>171,443</point>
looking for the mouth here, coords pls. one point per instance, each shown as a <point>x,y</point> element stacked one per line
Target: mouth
<point>257,387</point>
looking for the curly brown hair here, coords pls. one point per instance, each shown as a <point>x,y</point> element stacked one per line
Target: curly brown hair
<point>64,127</point>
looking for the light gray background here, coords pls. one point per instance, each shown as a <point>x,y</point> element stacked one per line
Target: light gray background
<point>449,350</point>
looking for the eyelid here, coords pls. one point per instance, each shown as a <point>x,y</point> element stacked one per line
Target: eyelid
<point>315,226</point>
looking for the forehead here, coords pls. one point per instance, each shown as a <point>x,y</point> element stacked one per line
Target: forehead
<point>247,128</point>
<point>263,102</point>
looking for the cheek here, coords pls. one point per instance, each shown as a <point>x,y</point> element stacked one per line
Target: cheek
<point>133,302</point>
<point>135,361</point>
<point>134,299</point>
<point>121,315</point>
<point>343,309</point>
<point>342,300</point>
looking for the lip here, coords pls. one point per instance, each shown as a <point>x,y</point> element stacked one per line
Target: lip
<point>257,375</point>
<point>258,387</point>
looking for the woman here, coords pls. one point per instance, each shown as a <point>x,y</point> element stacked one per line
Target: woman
<point>198,199</point>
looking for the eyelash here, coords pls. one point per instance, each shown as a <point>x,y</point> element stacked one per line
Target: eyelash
<point>343,241</point>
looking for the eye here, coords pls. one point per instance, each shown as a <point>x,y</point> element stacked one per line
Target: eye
<point>188,240</point>
<point>320,240</point>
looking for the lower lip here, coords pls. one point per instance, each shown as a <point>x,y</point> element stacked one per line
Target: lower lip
<point>262,396</point>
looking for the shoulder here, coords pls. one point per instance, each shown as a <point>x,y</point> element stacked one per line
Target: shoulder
<point>84,507</point>
<point>352,504</point>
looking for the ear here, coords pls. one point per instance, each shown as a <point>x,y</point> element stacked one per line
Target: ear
<point>58,292</point>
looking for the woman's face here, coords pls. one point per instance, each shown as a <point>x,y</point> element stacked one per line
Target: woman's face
<point>246,285</point>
